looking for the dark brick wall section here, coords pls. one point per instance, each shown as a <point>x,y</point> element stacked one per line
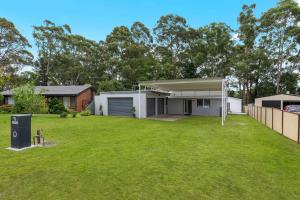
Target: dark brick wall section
<point>83,99</point>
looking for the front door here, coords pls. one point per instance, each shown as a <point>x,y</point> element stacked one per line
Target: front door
<point>187,107</point>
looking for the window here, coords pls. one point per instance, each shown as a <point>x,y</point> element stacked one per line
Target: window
<point>199,102</point>
<point>204,103</point>
<point>72,102</point>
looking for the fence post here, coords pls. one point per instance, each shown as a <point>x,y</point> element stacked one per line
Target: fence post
<point>272,117</point>
<point>282,122</point>
<point>260,114</point>
<point>257,113</point>
<point>298,129</point>
<point>265,116</point>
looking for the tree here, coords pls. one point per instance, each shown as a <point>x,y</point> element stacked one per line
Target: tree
<point>48,38</point>
<point>110,85</point>
<point>28,101</point>
<point>131,56</point>
<point>288,83</point>
<point>171,33</point>
<point>246,67</point>
<point>13,51</point>
<point>278,26</point>
<point>218,49</point>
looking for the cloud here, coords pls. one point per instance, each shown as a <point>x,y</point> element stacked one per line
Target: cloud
<point>298,1</point>
<point>235,36</point>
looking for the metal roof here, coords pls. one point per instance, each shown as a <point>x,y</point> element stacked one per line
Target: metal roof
<point>280,97</point>
<point>55,90</point>
<point>134,92</point>
<point>208,84</point>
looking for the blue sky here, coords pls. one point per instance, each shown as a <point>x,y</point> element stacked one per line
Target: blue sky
<point>95,19</point>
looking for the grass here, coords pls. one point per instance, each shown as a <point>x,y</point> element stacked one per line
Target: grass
<point>122,158</point>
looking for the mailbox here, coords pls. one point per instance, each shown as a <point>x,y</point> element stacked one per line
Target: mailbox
<point>20,131</point>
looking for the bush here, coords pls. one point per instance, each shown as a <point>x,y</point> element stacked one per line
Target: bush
<point>85,113</point>
<point>55,106</point>
<point>28,101</point>
<point>133,112</point>
<point>63,115</point>
<point>6,109</point>
<point>74,114</point>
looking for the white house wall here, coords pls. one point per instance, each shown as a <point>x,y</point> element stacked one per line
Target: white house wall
<point>102,100</point>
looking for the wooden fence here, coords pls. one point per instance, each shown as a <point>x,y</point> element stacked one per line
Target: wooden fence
<point>285,123</point>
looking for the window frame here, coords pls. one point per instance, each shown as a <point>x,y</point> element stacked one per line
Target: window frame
<point>203,103</point>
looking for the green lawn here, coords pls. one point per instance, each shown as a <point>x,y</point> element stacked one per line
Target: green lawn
<point>122,158</point>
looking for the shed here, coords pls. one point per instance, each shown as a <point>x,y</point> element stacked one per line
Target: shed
<point>234,105</point>
<point>278,101</point>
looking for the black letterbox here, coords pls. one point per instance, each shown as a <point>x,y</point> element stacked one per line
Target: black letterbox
<point>20,131</point>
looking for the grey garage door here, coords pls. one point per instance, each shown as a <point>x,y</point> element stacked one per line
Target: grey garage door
<point>150,107</point>
<point>120,106</point>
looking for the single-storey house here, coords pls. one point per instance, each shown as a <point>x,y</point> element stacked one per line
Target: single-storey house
<point>234,105</point>
<point>278,101</point>
<point>75,97</point>
<point>203,97</point>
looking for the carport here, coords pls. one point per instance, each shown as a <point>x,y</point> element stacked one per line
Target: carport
<point>190,85</point>
<point>278,101</point>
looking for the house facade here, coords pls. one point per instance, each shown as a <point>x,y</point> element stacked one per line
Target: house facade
<point>75,97</point>
<point>201,97</point>
<point>158,103</point>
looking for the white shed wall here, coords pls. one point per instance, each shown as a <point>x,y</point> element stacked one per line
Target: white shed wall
<point>235,105</point>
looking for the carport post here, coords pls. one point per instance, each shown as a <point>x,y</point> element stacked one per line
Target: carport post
<point>139,101</point>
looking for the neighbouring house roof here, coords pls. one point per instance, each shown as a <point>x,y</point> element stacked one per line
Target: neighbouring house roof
<point>208,84</point>
<point>281,97</point>
<point>55,90</point>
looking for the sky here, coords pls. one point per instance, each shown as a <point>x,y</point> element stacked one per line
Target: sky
<point>94,19</point>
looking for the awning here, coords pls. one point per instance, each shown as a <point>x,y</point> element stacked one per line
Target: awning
<point>181,85</point>
<point>185,84</point>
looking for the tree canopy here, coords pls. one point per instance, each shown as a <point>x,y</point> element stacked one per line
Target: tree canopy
<point>260,57</point>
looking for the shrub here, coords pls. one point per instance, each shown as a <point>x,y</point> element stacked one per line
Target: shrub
<point>85,113</point>
<point>1,97</point>
<point>63,115</point>
<point>55,106</point>
<point>28,101</point>
<point>101,110</point>
<point>74,114</point>
<point>133,112</point>
<point>6,109</point>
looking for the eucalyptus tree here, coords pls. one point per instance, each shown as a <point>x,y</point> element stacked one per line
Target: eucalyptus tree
<point>216,40</point>
<point>48,39</point>
<point>13,51</point>
<point>75,61</point>
<point>131,59</point>
<point>278,27</point>
<point>171,39</point>
<point>246,59</point>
